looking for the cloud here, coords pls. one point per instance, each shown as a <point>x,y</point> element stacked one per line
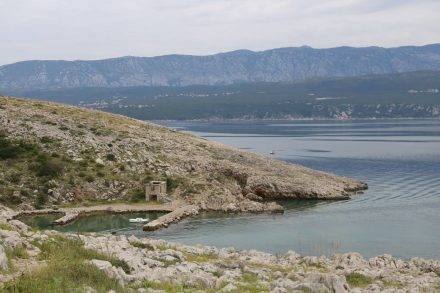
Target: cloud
<point>94,29</point>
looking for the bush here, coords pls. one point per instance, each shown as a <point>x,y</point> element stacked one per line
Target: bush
<point>49,167</point>
<point>173,183</point>
<point>110,157</point>
<point>12,149</point>
<point>138,196</point>
<point>41,200</point>
<point>7,149</point>
<point>358,280</point>
<point>14,178</point>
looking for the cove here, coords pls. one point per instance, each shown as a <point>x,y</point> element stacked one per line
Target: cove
<point>399,159</point>
<point>96,222</point>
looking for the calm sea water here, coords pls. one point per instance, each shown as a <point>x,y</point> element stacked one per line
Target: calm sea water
<point>399,214</point>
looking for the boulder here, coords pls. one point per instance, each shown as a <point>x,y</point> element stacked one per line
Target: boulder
<point>11,239</point>
<point>111,271</point>
<point>3,259</point>
<point>334,283</point>
<point>19,225</point>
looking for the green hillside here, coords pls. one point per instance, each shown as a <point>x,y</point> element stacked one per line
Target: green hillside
<point>414,94</point>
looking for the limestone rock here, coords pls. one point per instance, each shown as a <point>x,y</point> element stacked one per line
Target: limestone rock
<point>3,259</point>
<point>11,239</point>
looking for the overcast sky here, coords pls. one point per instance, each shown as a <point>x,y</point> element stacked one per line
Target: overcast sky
<point>96,29</point>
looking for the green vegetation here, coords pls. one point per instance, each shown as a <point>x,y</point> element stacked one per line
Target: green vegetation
<point>199,258</point>
<point>174,182</point>
<point>318,98</point>
<point>250,284</point>
<point>4,226</point>
<point>142,245</point>
<point>358,280</point>
<point>174,288</point>
<point>12,149</point>
<point>110,157</point>
<point>393,284</point>
<point>138,196</point>
<point>48,166</point>
<point>66,270</point>
<point>17,252</point>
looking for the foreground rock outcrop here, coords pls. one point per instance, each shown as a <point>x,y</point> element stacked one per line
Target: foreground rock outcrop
<point>55,154</point>
<point>147,265</point>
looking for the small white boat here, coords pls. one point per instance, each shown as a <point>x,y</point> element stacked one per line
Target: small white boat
<point>138,220</point>
<point>272,153</point>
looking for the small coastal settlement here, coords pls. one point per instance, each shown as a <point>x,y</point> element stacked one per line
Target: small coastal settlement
<point>58,158</point>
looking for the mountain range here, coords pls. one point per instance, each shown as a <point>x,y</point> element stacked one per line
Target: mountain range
<point>242,66</point>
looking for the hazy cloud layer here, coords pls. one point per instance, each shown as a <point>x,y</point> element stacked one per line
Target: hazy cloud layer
<point>95,29</point>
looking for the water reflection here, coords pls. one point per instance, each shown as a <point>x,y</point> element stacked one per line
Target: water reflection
<point>97,222</point>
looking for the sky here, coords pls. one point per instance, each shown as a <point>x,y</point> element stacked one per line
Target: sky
<point>98,29</point>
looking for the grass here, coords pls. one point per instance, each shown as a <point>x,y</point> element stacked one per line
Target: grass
<point>358,280</point>
<point>161,247</point>
<point>18,252</point>
<point>173,288</point>
<point>250,284</point>
<point>250,288</point>
<point>199,258</point>
<point>142,245</point>
<point>249,278</point>
<point>393,284</point>
<point>66,270</point>
<point>4,226</point>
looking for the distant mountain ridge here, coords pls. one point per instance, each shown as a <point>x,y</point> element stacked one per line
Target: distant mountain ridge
<point>276,65</point>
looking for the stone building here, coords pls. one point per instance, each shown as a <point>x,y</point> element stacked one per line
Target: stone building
<point>156,190</point>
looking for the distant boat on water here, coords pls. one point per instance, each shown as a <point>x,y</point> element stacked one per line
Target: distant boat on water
<point>272,153</point>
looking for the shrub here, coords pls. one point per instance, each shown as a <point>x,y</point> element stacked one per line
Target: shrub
<point>358,280</point>
<point>14,178</point>
<point>138,196</point>
<point>41,200</point>
<point>173,183</point>
<point>46,139</point>
<point>49,167</point>
<point>12,149</point>
<point>17,252</point>
<point>7,150</point>
<point>110,157</point>
<point>141,245</point>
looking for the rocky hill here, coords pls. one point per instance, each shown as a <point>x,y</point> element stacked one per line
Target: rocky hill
<point>285,64</point>
<point>52,154</point>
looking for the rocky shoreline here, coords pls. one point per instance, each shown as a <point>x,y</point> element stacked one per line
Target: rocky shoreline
<point>79,155</point>
<point>158,266</point>
<point>72,214</point>
<point>175,212</point>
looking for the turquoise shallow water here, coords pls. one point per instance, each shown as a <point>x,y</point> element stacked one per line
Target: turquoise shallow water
<point>399,214</point>
<point>99,222</point>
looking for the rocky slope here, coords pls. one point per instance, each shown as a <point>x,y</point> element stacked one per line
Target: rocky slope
<point>54,154</point>
<point>286,64</point>
<point>38,261</point>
